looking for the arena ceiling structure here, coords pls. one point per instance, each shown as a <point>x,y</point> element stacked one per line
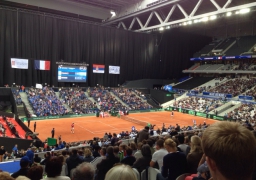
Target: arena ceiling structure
<point>146,15</point>
<point>166,14</point>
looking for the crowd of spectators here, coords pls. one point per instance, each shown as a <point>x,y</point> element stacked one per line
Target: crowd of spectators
<point>76,99</point>
<point>105,99</point>
<point>242,66</point>
<point>246,112</point>
<point>251,92</point>
<point>178,152</point>
<point>235,86</point>
<point>201,89</point>
<point>45,102</point>
<point>129,97</point>
<point>199,104</point>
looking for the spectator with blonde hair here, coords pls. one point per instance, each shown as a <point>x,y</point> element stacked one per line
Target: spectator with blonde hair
<point>230,151</point>
<point>22,178</point>
<point>121,172</point>
<point>174,163</point>
<point>195,154</point>
<point>88,155</point>
<point>5,176</point>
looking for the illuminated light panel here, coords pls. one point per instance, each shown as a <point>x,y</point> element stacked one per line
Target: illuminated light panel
<point>213,17</point>
<point>229,13</point>
<point>205,19</point>
<point>244,11</point>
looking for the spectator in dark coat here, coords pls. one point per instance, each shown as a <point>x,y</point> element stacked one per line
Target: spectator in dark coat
<point>129,159</point>
<point>195,155</point>
<point>73,161</point>
<point>24,164</point>
<point>143,162</point>
<point>143,134</point>
<point>37,159</point>
<point>47,157</point>
<point>114,139</point>
<point>106,164</point>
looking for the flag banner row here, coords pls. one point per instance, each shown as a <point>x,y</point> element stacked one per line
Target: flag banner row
<point>99,68</point>
<point>18,63</point>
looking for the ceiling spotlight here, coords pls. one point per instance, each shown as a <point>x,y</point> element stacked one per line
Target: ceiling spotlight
<point>205,19</point>
<point>213,17</point>
<point>185,23</point>
<point>243,11</point>
<point>229,13</point>
<point>196,21</point>
<point>168,27</point>
<point>189,22</point>
<point>113,13</point>
<point>237,12</point>
<point>161,29</point>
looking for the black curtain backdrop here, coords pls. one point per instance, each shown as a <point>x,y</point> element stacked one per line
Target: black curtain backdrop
<point>35,36</point>
<point>176,47</point>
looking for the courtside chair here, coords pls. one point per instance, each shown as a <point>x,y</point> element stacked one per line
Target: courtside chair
<point>137,173</point>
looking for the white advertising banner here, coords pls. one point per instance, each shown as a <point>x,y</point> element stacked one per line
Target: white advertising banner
<point>114,69</point>
<point>19,63</point>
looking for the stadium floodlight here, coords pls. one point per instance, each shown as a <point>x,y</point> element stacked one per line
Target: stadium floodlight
<point>205,19</point>
<point>168,27</point>
<point>213,17</point>
<point>196,21</point>
<point>244,11</point>
<point>161,29</point>
<point>113,13</point>
<point>189,22</point>
<point>229,13</point>
<point>185,23</point>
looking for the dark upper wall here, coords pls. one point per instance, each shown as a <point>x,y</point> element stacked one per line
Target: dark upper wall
<point>175,48</point>
<point>141,56</point>
<point>9,143</point>
<point>147,83</point>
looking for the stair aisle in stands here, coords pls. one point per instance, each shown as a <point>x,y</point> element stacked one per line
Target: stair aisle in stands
<point>24,98</point>
<point>65,105</point>
<point>91,99</point>
<point>124,104</point>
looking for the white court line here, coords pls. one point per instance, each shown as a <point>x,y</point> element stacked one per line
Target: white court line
<point>84,128</point>
<point>152,119</point>
<point>89,121</point>
<point>109,130</point>
<point>108,125</point>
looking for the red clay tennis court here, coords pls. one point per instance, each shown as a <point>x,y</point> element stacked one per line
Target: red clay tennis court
<point>88,127</point>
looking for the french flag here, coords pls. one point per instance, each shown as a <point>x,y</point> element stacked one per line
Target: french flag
<point>42,65</point>
<point>98,68</point>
